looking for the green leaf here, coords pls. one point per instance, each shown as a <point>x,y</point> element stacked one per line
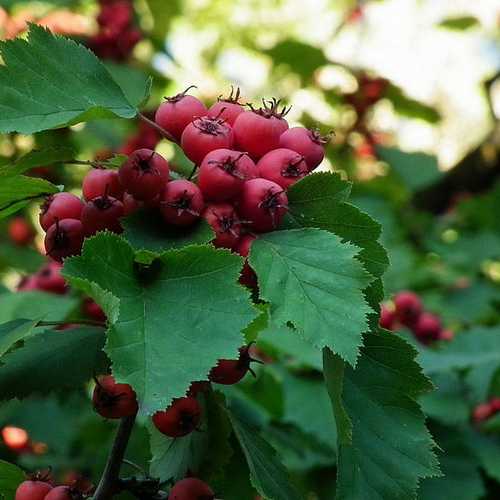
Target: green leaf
<point>267,474</point>
<point>146,230</point>
<point>11,476</point>
<point>13,332</point>
<point>411,108</point>
<point>384,446</point>
<point>313,282</point>
<point>479,346</point>
<point>52,360</point>
<point>17,191</point>
<point>486,450</point>
<point>24,259</point>
<point>162,14</point>
<point>50,81</point>
<point>36,159</point>
<point>459,23</point>
<point>170,321</point>
<point>135,84</point>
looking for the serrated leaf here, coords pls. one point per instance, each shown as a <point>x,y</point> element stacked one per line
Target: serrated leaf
<point>267,474</point>
<point>313,281</point>
<point>170,322</point>
<point>135,84</point>
<point>50,81</point>
<point>476,347</point>
<point>146,230</point>
<point>36,159</point>
<point>384,446</point>
<point>52,360</point>
<point>11,476</point>
<point>14,331</point>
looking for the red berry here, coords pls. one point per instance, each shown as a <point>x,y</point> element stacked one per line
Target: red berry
<point>64,238</point>
<point>178,112</point>
<point>20,231</point>
<point>64,493</point>
<point>60,206</point>
<point>102,213</point>
<point>482,412</point>
<point>32,490</point>
<point>408,307</point>
<point>144,174</point>
<point>115,17</point>
<point>258,131</point>
<point>427,328</point>
<point>49,278</point>
<point>112,400</point>
<point>205,134</point>
<point>181,203</point>
<point>196,387</point>
<point>283,166</point>
<point>227,108</point>
<point>231,371</point>
<point>93,310</point>
<point>263,203</point>
<point>180,418</point>
<point>223,172</point>
<point>28,283</point>
<point>130,204</point>
<point>387,318</point>
<point>495,404</point>
<point>225,222</point>
<point>446,335</point>
<point>191,488</point>
<point>308,143</point>
<point>101,181</point>
<point>248,277</point>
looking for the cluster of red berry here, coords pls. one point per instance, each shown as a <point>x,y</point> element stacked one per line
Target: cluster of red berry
<point>40,486</point>
<point>407,311</point>
<point>484,411</point>
<point>117,34</point>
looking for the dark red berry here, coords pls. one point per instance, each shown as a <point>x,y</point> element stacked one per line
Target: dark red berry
<point>196,387</point>
<point>191,488</point>
<point>408,307</point>
<point>223,172</point>
<point>228,108</point>
<point>60,206</point>
<point>225,222</point>
<point>64,238</point>
<point>308,143</point>
<point>248,277</point>
<point>144,174</point>
<point>101,181</point>
<point>258,131</point>
<point>49,278</point>
<point>482,412</point>
<point>64,493</point>
<point>20,231</point>
<point>32,490</point>
<point>101,214</point>
<point>93,310</point>
<point>283,166</point>
<point>263,203</point>
<point>387,318</point>
<point>427,327</point>
<point>446,335</point>
<point>181,203</point>
<point>231,371</point>
<point>180,418</point>
<point>130,204</point>
<point>205,134</point>
<point>112,400</point>
<point>177,112</point>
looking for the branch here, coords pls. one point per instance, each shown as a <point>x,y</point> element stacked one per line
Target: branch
<point>89,322</point>
<point>110,481</point>
<point>161,130</point>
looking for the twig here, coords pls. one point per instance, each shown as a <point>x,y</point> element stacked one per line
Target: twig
<point>161,130</point>
<point>110,478</point>
<point>76,322</point>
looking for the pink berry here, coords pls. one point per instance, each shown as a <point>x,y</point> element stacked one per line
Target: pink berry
<point>283,166</point>
<point>179,111</point>
<point>49,278</point>
<point>101,214</point>
<point>223,172</point>
<point>387,318</point>
<point>482,412</point>
<point>144,174</point>
<point>32,490</point>
<point>228,108</point>
<point>181,203</point>
<point>64,238</point>
<point>308,143</point>
<point>191,488</point>
<point>205,134</point>
<point>408,307</point>
<point>263,203</point>
<point>225,222</point>
<point>427,328</point>
<point>101,181</point>
<point>60,206</point>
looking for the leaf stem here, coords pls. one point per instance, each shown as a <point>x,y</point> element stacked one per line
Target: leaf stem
<point>77,322</point>
<point>161,130</point>
<point>110,478</point>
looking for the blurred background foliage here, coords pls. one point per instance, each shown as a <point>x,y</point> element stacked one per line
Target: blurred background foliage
<point>411,90</point>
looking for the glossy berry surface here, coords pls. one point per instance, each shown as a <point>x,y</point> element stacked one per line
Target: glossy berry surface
<point>102,213</point>
<point>101,181</point>
<point>228,108</point>
<point>144,174</point>
<point>225,222</point>
<point>181,203</point>
<point>32,490</point>
<point>177,112</point>
<point>63,493</point>
<point>283,166</point>
<point>191,488</point>
<point>64,239</point>
<point>263,204</point>
<point>20,231</point>
<point>60,206</point>
<point>180,418</point>
<point>231,371</point>
<point>206,134</point>
<point>223,172</point>
<point>112,400</point>
<point>308,143</point>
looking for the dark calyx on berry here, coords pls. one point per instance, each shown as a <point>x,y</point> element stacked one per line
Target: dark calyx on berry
<point>211,126</point>
<point>270,108</point>
<point>230,166</point>
<point>180,95</point>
